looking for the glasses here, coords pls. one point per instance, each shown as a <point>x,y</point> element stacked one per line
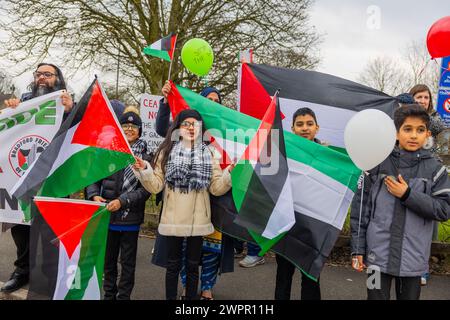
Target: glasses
<point>187,124</point>
<point>130,126</point>
<point>47,75</point>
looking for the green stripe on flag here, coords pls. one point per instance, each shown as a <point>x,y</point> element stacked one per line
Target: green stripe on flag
<point>157,53</point>
<point>241,177</point>
<point>335,164</point>
<point>66,179</point>
<point>92,255</point>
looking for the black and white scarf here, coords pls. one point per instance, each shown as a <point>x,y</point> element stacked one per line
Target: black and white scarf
<point>189,169</point>
<point>130,181</point>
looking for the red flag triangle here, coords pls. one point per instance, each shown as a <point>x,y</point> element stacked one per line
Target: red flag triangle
<point>256,145</point>
<point>253,95</point>
<point>67,219</point>
<point>98,127</point>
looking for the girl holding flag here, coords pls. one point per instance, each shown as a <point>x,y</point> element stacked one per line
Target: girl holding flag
<point>188,169</point>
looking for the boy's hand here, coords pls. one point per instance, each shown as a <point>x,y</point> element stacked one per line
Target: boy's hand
<point>396,188</point>
<point>113,206</point>
<point>358,263</point>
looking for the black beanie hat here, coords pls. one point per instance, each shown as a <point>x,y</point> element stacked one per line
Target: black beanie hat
<point>189,113</point>
<point>131,117</point>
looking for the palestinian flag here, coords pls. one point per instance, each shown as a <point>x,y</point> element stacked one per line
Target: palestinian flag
<point>261,185</point>
<point>163,48</point>
<point>334,100</point>
<point>89,146</point>
<point>67,249</point>
<point>323,181</point>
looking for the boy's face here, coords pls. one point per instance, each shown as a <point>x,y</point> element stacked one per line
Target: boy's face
<point>413,134</point>
<point>305,126</point>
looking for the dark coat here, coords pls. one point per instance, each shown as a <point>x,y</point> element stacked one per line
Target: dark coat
<point>395,234</point>
<point>132,203</point>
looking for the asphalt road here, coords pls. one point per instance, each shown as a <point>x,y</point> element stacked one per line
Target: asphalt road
<point>257,283</point>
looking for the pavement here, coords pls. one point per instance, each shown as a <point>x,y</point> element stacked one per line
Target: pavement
<point>258,283</point>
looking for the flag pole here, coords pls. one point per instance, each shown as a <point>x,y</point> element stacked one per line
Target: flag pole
<point>171,60</point>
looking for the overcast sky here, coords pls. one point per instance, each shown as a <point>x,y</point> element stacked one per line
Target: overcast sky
<point>354,32</point>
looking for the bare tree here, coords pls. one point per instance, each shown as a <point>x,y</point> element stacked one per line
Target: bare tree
<point>384,74</point>
<point>395,76</point>
<point>102,33</point>
<point>6,84</point>
<point>420,68</point>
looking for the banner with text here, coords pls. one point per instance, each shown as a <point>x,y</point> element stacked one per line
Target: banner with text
<point>149,109</point>
<point>24,133</point>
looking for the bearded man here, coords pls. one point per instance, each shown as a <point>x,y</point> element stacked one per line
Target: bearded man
<point>47,78</point>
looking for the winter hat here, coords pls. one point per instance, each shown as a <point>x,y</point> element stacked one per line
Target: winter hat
<point>188,113</point>
<point>405,98</point>
<point>209,90</point>
<point>131,117</point>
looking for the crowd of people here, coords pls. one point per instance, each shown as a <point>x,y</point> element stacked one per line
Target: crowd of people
<point>404,198</point>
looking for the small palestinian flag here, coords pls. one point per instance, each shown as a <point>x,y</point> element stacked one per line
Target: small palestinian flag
<point>89,146</point>
<point>334,100</point>
<point>261,186</point>
<point>67,249</point>
<point>163,48</point>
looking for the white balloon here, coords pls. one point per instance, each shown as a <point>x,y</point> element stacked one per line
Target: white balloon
<point>369,138</point>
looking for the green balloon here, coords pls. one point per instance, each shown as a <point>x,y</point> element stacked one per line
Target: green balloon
<point>197,56</point>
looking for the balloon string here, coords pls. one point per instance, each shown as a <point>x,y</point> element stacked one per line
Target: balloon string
<point>360,212</point>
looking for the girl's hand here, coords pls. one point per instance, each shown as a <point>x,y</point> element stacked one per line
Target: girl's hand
<point>140,164</point>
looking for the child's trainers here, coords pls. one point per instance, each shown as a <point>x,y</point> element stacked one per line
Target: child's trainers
<point>251,261</point>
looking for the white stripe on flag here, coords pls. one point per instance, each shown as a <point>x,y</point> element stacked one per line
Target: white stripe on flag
<point>282,218</point>
<point>331,120</point>
<point>67,149</point>
<point>316,195</point>
<point>319,196</point>
<point>92,291</point>
<point>156,45</point>
<point>67,271</point>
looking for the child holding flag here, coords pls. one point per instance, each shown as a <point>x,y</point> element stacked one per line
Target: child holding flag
<point>304,124</point>
<point>188,170</point>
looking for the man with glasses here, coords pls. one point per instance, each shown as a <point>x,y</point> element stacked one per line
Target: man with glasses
<point>46,79</point>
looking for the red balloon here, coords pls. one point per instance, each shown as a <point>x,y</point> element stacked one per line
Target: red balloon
<point>438,39</point>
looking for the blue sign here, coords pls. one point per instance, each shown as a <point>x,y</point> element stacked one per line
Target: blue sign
<point>445,73</point>
<point>443,105</point>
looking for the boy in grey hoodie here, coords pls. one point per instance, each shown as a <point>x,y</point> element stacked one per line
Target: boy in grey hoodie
<point>402,197</point>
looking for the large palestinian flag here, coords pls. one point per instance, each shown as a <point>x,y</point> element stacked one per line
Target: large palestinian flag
<point>163,48</point>
<point>323,182</point>
<point>89,146</point>
<point>334,100</point>
<point>262,189</point>
<point>67,249</point>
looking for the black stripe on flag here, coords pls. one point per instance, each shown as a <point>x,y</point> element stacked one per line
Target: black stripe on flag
<point>323,89</point>
<point>264,190</point>
<point>307,244</point>
<point>166,43</point>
